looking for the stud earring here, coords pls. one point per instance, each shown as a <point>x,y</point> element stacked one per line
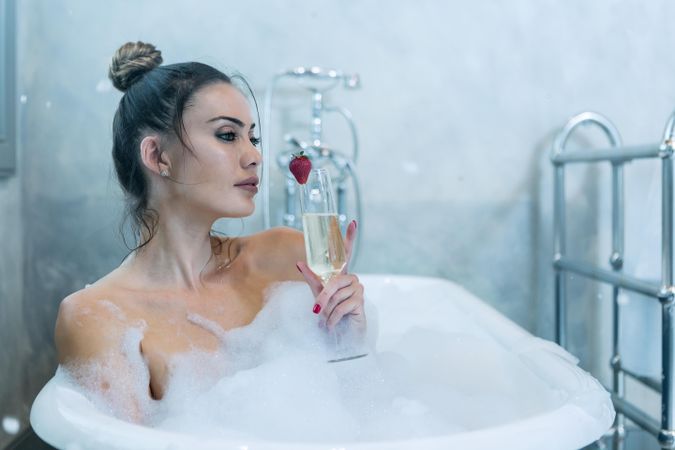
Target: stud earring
<point>164,173</point>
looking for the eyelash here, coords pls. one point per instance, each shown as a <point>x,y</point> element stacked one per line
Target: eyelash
<point>232,136</point>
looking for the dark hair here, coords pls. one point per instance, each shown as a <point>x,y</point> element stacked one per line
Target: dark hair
<point>154,99</point>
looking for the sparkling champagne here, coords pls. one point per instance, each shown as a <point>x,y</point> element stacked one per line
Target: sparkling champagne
<point>323,244</point>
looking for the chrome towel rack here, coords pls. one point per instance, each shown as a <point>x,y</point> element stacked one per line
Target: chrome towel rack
<point>617,154</point>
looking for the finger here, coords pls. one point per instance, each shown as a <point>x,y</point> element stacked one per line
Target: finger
<point>340,296</point>
<point>334,284</point>
<point>312,279</point>
<point>351,306</point>
<point>349,243</point>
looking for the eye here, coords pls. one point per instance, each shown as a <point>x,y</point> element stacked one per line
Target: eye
<point>255,140</point>
<point>230,136</point>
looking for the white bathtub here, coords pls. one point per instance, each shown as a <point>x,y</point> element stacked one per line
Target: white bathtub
<point>66,419</point>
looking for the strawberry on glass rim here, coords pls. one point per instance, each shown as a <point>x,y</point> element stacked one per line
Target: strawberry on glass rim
<point>300,166</point>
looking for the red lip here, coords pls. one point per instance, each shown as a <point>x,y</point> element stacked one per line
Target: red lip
<point>252,181</point>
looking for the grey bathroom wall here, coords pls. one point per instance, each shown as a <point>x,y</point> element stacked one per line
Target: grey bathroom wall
<point>13,350</point>
<point>458,106</point>
<point>12,334</point>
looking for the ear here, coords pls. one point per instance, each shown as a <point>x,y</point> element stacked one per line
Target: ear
<point>154,159</point>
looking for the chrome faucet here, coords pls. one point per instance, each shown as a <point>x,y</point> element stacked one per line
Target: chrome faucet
<point>340,165</point>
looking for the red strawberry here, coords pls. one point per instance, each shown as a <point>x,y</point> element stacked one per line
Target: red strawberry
<point>300,166</point>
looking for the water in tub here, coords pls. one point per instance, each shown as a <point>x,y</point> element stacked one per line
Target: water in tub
<point>271,379</point>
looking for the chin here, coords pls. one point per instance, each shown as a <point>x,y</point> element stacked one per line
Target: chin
<point>237,213</point>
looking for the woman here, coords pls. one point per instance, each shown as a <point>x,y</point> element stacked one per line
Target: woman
<point>185,154</point>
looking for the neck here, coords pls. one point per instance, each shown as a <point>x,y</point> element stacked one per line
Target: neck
<point>177,256</point>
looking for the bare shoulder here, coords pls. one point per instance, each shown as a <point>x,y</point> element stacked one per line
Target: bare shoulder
<point>90,338</point>
<point>277,250</point>
<point>88,325</point>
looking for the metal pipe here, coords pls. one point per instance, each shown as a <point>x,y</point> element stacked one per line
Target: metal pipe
<point>668,369</point>
<point>290,216</point>
<point>351,81</point>
<point>616,261</point>
<point>667,208</point>
<point>559,206</point>
<point>666,437</point>
<point>584,118</point>
<point>342,205</point>
<point>636,415</point>
<point>650,382</point>
<point>606,276</point>
<point>614,154</point>
<point>560,309</point>
<point>347,115</point>
<point>359,210</point>
<point>317,124</point>
<point>559,252</point>
<point>618,378</point>
<point>616,258</point>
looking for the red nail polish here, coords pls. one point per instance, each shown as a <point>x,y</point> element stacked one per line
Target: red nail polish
<point>317,309</point>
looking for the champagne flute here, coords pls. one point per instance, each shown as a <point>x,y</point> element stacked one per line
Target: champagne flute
<point>324,246</point>
<point>325,249</point>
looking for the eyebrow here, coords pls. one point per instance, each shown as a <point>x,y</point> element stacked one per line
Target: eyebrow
<point>231,119</point>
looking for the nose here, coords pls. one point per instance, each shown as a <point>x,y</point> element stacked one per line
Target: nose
<point>252,156</point>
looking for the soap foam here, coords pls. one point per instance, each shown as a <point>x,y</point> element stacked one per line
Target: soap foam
<point>272,379</point>
<point>126,396</point>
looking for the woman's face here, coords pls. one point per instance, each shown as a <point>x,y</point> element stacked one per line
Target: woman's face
<point>221,134</point>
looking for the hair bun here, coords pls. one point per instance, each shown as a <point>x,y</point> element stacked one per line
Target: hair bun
<point>131,61</point>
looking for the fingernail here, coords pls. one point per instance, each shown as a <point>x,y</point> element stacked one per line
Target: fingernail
<point>316,309</point>
<point>354,224</point>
